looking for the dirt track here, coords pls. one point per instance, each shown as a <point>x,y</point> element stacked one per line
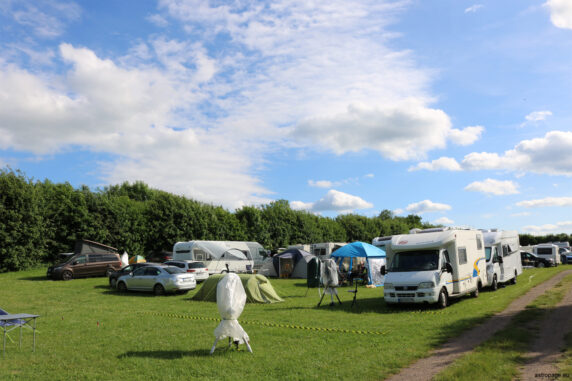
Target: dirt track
<point>439,359</point>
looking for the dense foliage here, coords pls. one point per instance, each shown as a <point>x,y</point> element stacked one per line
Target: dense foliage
<point>38,220</point>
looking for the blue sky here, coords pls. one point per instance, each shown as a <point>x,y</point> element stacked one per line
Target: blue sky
<point>459,111</point>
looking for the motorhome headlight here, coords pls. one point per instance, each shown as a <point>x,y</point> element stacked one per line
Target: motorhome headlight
<point>426,285</point>
<point>388,286</point>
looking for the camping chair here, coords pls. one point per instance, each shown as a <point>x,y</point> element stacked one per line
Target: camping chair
<point>354,291</point>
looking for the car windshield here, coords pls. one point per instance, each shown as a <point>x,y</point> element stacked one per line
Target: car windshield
<point>418,260</point>
<point>173,270</point>
<point>196,265</point>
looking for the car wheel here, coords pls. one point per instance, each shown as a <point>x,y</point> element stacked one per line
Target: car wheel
<point>475,294</point>
<point>159,289</point>
<point>495,284</point>
<point>540,264</point>
<point>121,287</point>
<point>67,275</point>
<point>108,272</point>
<point>443,299</point>
<point>112,282</point>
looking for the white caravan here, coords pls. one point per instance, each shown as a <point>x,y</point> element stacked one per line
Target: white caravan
<point>434,265</point>
<point>240,256</point>
<point>502,252</point>
<point>321,250</point>
<point>548,251</point>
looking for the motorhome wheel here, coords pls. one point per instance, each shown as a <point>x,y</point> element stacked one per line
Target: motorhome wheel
<point>495,285</point>
<point>513,280</point>
<point>443,299</point>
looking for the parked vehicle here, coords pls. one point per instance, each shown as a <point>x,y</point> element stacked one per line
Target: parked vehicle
<point>198,269</point>
<point>222,256</point>
<point>502,250</point>
<point>532,260</point>
<point>124,271</point>
<point>85,265</point>
<point>158,279</point>
<point>159,256</point>
<point>434,265</point>
<point>548,251</point>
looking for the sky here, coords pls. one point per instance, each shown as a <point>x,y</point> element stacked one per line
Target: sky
<point>457,111</point>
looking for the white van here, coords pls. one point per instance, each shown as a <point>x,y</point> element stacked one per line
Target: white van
<point>502,252</point>
<point>548,251</point>
<point>221,256</point>
<point>433,265</point>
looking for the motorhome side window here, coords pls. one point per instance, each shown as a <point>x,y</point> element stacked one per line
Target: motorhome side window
<point>462,255</point>
<point>505,251</point>
<point>479,242</point>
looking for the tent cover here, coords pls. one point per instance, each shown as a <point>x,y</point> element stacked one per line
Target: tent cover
<point>257,287</point>
<point>298,258</point>
<point>374,259</point>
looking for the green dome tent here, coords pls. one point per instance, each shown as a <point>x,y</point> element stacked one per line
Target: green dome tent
<point>258,289</point>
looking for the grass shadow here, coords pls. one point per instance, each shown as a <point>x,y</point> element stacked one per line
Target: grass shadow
<point>166,355</point>
<point>36,278</point>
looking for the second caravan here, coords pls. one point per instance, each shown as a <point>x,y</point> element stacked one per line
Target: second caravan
<point>220,256</point>
<point>434,265</point>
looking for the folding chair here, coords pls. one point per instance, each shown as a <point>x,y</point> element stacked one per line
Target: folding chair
<point>354,291</point>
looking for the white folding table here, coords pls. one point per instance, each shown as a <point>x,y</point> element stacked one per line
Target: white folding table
<point>13,321</point>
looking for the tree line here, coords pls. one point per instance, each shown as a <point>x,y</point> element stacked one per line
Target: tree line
<point>40,219</point>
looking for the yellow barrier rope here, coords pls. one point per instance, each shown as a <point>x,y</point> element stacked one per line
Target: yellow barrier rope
<point>267,324</point>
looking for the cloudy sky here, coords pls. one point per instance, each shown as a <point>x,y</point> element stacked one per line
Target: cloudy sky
<point>458,111</point>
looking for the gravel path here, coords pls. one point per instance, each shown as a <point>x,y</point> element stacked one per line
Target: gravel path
<point>439,359</point>
<point>547,348</point>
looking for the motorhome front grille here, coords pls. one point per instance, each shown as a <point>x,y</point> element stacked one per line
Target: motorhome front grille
<point>405,288</point>
<point>406,295</point>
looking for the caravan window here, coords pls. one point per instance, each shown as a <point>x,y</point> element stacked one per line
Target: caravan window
<point>462,255</point>
<point>319,252</point>
<point>479,242</point>
<point>199,255</point>
<point>505,251</point>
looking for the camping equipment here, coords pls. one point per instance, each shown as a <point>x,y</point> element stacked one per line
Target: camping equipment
<point>329,278</point>
<point>374,259</point>
<point>14,321</point>
<point>230,300</point>
<point>257,287</point>
<point>136,259</point>
<point>292,263</point>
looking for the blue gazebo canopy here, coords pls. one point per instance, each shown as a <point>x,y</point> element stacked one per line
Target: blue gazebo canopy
<point>359,249</point>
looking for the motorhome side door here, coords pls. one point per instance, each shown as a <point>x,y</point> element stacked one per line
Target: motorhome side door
<point>446,277</point>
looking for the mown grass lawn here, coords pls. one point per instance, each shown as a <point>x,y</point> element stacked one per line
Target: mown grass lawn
<point>88,332</point>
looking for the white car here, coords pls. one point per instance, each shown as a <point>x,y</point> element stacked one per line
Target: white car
<point>158,279</point>
<point>197,268</point>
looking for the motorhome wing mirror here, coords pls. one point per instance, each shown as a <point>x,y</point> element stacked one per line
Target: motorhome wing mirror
<point>497,259</point>
<point>382,270</point>
<point>448,267</point>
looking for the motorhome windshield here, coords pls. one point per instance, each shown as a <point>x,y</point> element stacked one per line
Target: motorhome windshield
<point>419,260</point>
<point>488,251</point>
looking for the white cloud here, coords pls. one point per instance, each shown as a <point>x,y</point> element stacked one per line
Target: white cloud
<point>560,13</point>
<point>496,187</point>
<point>538,116</point>
<point>334,201</point>
<point>443,163</point>
<point>548,201</point>
<point>403,131</point>
<point>473,8</point>
<point>47,19</point>
<point>547,155</point>
<point>426,206</point>
<point>466,136</point>
<point>521,214</point>
<point>321,183</point>
<point>369,176</point>
<point>443,221</point>
<point>559,227</point>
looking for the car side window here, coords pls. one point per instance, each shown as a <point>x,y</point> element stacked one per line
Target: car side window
<point>139,271</point>
<point>80,260</point>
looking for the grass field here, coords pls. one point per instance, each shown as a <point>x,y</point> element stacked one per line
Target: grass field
<point>88,332</point>
<point>503,354</point>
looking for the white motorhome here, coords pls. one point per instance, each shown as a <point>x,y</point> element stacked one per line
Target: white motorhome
<point>381,242</point>
<point>240,256</point>
<point>434,265</point>
<point>502,252</point>
<point>548,251</point>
